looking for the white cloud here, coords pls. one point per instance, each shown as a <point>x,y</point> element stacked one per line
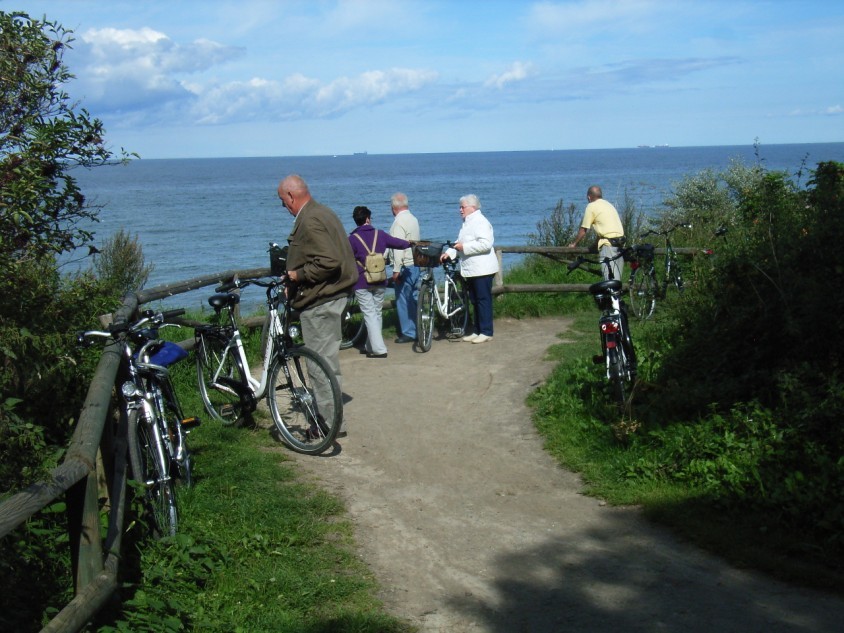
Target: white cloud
<point>836,109</point>
<point>298,96</point>
<point>130,69</point>
<point>517,72</point>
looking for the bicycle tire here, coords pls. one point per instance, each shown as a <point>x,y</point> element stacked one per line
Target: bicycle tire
<point>458,305</point>
<point>305,400</point>
<point>425,315</point>
<point>353,324</point>
<point>616,372</point>
<point>180,464</point>
<point>643,291</point>
<point>220,396</point>
<point>628,351</point>
<point>153,474</point>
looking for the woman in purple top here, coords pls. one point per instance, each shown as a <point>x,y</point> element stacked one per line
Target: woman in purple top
<point>371,296</point>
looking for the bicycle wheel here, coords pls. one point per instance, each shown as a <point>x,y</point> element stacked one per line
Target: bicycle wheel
<point>643,291</point>
<point>152,470</point>
<point>628,351</point>
<point>458,307</point>
<point>221,378</point>
<point>354,327</point>
<point>305,400</point>
<point>425,316</point>
<point>177,440</point>
<point>617,374</point>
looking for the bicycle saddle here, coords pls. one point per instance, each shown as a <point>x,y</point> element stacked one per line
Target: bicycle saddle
<point>223,300</point>
<point>603,287</point>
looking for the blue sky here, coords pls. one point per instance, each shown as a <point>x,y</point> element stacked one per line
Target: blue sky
<point>200,78</point>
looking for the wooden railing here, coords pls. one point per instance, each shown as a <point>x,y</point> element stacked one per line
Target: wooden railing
<point>95,454</point>
<point>95,559</point>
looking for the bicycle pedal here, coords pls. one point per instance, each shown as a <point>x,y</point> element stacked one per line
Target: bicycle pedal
<point>598,359</point>
<point>189,423</point>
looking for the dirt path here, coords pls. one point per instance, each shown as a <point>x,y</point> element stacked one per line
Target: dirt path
<point>470,526</point>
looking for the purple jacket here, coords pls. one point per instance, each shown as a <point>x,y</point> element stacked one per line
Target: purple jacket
<point>384,241</point>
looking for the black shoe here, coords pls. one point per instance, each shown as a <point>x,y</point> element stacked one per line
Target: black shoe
<point>384,355</point>
<point>405,339</point>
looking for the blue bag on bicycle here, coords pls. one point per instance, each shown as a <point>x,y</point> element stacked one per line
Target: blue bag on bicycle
<point>168,354</point>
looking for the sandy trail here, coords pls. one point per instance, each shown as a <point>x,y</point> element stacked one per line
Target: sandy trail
<point>470,526</point>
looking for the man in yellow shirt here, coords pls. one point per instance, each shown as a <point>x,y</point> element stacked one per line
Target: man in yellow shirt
<point>601,216</point>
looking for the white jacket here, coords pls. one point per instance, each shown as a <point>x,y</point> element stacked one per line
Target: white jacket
<point>478,256</point>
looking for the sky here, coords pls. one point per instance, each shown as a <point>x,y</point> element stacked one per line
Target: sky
<point>206,78</point>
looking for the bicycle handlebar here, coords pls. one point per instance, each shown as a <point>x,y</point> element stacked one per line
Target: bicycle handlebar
<point>577,263</point>
<point>115,329</point>
<point>668,231</point>
<point>243,283</point>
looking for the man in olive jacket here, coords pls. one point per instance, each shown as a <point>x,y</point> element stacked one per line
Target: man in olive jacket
<point>321,264</point>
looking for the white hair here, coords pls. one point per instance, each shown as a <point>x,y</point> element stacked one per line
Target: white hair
<point>471,200</point>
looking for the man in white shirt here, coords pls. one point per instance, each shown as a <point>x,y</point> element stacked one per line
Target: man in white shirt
<point>405,272</point>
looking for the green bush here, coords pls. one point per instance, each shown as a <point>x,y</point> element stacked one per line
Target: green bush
<point>746,386</point>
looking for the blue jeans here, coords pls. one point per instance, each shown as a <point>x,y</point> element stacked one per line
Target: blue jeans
<point>407,293</point>
<point>480,296</point>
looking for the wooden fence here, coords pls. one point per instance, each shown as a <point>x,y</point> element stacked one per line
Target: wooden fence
<point>95,464</point>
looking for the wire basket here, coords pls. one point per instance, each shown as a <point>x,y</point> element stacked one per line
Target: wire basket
<point>427,254</point>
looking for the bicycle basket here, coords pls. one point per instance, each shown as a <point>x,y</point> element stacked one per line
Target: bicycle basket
<point>643,251</point>
<point>278,260</point>
<point>427,254</point>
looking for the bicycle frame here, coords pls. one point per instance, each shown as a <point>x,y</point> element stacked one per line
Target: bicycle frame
<point>442,300</point>
<point>257,387</point>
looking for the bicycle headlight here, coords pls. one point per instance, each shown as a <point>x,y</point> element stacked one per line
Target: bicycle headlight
<point>130,390</point>
<point>293,331</point>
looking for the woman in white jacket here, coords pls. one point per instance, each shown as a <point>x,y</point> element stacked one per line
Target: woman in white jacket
<point>478,265</point>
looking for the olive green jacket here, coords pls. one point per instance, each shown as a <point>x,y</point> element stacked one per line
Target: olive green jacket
<point>321,255</point>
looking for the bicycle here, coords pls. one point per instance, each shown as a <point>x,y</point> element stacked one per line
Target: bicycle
<point>451,301</point>
<point>617,352</point>
<point>644,286</point>
<point>155,425</point>
<point>354,327</point>
<point>302,392</point>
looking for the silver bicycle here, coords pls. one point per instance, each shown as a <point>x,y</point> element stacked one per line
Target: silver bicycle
<point>450,300</point>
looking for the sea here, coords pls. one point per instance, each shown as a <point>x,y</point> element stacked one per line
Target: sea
<point>195,216</point>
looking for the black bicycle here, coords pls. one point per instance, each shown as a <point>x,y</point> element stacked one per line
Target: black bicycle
<point>353,325</point>
<point>644,286</point>
<point>617,353</point>
<point>156,426</point>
